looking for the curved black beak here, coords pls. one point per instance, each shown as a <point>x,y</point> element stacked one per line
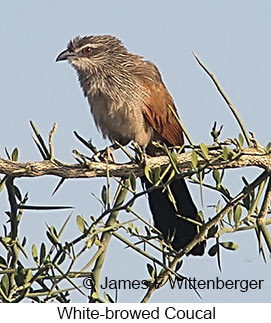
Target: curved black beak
<point>64,55</point>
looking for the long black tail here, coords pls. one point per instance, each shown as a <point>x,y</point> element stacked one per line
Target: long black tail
<point>166,220</point>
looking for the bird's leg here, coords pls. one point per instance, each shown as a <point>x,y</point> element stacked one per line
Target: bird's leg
<point>105,154</point>
<point>140,154</point>
<point>110,153</point>
<point>98,155</point>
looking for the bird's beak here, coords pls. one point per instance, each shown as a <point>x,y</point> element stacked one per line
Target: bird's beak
<point>64,55</point>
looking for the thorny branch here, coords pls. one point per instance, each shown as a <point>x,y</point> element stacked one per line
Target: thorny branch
<point>248,158</point>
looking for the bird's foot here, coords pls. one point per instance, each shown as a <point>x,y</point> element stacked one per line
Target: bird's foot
<point>140,154</point>
<point>105,155</point>
<point>81,158</point>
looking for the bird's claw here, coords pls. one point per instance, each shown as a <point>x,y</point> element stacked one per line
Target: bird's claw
<point>104,155</point>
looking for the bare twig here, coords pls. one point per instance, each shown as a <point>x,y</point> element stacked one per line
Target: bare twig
<point>51,147</point>
<point>181,125</point>
<point>225,97</point>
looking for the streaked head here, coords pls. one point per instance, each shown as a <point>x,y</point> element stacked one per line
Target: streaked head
<point>93,52</point>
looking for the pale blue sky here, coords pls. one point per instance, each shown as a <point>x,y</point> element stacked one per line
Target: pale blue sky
<point>231,37</point>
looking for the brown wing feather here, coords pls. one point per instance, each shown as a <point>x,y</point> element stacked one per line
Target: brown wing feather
<point>157,101</point>
<point>157,110</point>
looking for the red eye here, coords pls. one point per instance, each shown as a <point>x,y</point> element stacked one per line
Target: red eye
<point>87,50</point>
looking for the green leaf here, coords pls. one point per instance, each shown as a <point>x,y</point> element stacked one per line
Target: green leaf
<point>151,270</point>
<point>268,147</point>
<point>241,140</point>
<point>42,253</point>
<point>3,263</point>
<point>80,223</point>
<point>204,150</point>
<point>229,245</point>
<point>174,158</point>
<point>212,231</point>
<point>104,195</point>
<point>137,230</point>
<point>28,276</point>
<point>61,259</point>
<point>224,191</point>
<point>194,159</point>
<point>174,161</point>
<point>218,207</point>
<point>246,202</point>
<point>171,176</point>
<point>237,215</point>
<point>17,193</point>
<point>5,284</point>
<point>20,276</point>
<point>215,133</point>
<point>225,153</point>
<point>15,154</point>
<point>201,216</point>
<point>217,177</point>
<point>148,173</point>
<point>230,216</point>
<point>24,241</point>
<point>35,253</point>
<point>53,236</point>
<point>156,174</point>
<point>90,242</point>
<point>130,227</point>
<point>213,250</point>
<point>133,182</point>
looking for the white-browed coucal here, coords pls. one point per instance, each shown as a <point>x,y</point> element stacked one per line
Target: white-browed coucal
<point>129,102</point>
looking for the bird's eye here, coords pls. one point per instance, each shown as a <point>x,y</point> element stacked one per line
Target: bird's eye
<point>87,50</point>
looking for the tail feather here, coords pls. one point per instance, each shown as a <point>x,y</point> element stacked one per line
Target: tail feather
<point>166,220</point>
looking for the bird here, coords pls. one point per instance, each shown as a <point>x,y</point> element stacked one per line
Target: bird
<point>130,103</point>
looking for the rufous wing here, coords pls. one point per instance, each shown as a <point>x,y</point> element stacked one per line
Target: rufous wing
<point>157,107</point>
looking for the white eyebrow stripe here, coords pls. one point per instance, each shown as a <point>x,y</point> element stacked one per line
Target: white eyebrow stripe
<point>89,45</point>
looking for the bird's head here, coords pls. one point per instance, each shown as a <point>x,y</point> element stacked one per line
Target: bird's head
<point>93,53</point>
